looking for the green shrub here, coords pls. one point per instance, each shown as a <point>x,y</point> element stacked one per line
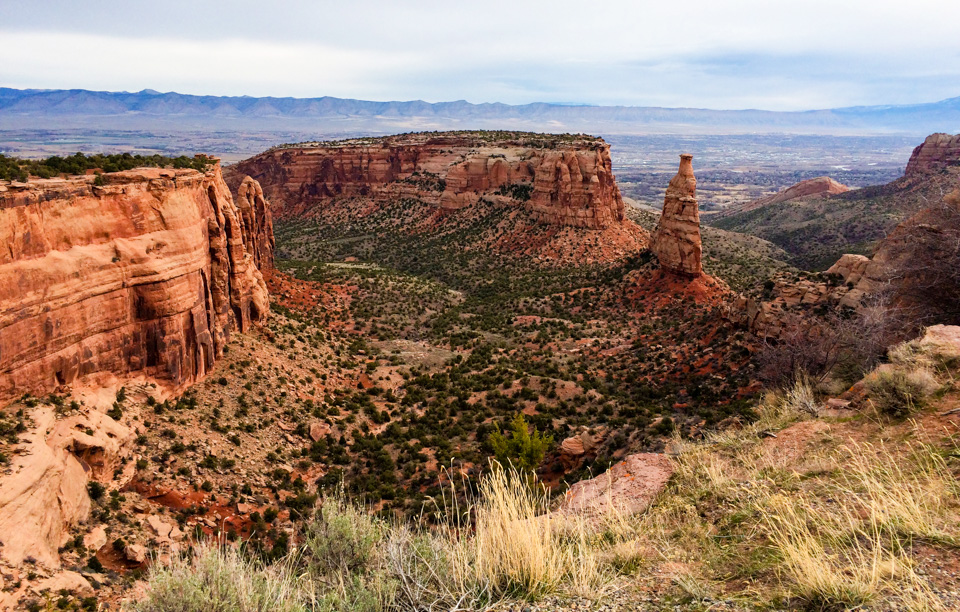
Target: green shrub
<point>341,538</point>
<point>523,450</point>
<point>95,489</point>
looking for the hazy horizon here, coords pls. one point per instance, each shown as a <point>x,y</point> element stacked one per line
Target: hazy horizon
<point>150,90</point>
<point>745,54</point>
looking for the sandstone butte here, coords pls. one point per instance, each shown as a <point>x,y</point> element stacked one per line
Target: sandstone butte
<point>148,273</point>
<point>569,179</point>
<point>676,240</point>
<point>819,186</point>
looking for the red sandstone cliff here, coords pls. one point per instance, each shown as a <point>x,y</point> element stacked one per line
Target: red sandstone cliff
<point>563,180</point>
<point>937,152</point>
<point>148,273</point>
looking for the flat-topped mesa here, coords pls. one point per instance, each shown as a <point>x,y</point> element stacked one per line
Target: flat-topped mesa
<point>562,179</point>
<point>147,273</point>
<point>938,151</point>
<point>676,240</point>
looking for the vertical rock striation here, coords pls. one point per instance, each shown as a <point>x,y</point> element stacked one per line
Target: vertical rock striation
<point>148,273</point>
<point>257,222</point>
<point>676,240</point>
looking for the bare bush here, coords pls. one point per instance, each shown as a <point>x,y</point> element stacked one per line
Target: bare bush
<point>923,264</point>
<point>806,347</point>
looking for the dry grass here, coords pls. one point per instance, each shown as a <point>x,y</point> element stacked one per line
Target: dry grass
<point>832,529</point>
<point>910,493</point>
<point>506,544</point>
<point>832,559</point>
<point>214,577</point>
<point>519,548</point>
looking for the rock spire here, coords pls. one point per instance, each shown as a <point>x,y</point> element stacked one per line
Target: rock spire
<point>676,241</point>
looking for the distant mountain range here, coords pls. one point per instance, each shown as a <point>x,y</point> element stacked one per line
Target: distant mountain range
<point>148,109</point>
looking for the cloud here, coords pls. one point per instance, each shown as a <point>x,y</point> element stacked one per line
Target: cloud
<point>732,54</point>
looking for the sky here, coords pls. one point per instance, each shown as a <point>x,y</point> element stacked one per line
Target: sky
<point>721,54</point>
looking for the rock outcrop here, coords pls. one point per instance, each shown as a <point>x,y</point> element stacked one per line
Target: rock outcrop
<point>676,240</point>
<point>820,186</point>
<point>564,180</point>
<point>148,272</point>
<point>44,491</point>
<point>937,152</point>
<point>901,269</point>
<point>906,263</point>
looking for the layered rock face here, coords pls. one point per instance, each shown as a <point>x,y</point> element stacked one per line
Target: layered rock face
<point>937,152</point>
<point>149,273</point>
<point>676,240</point>
<point>563,180</point>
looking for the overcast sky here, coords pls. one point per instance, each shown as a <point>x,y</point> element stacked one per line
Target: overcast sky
<point>726,54</point>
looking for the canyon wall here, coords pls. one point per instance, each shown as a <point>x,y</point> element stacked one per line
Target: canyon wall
<point>147,272</point>
<point>563,180</point>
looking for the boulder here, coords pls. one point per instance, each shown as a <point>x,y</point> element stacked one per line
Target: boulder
<point>942,341</point>
<point>96,539</point>
<point>135,553</point>
<point>71,582</point>
<point>159,527</point>
<point>318,430</point>
<point>627,487</point>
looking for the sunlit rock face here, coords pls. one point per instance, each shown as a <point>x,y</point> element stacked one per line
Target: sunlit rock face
<point>148,273</point>
<point>937,152</point>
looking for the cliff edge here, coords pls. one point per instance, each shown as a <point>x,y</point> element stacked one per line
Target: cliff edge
<point>147,271</point>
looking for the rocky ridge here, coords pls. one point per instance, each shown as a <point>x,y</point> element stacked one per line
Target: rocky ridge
<point>147,272</point>
<point>564,180</point>
<point>820,186</point>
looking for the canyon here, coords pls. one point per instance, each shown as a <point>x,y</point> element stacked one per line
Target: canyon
<point>415,309</point>
<point>136,277</point>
